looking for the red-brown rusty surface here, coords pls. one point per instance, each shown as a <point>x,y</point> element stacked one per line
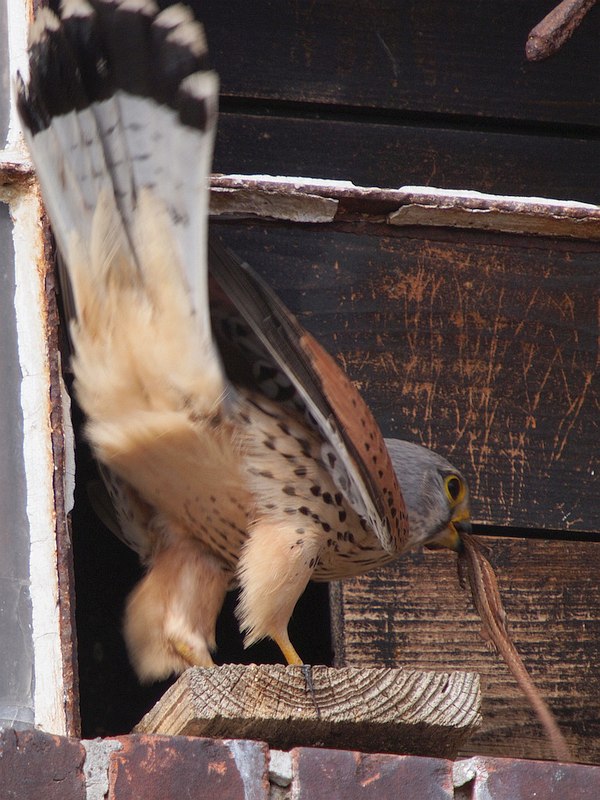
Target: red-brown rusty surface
<point>306,200</point>
<point>15,172</point>
<point>341,775</point>
<point>511,779</point>
<point>64,549</point>
<point>37,766</point>
<point>162,767</point>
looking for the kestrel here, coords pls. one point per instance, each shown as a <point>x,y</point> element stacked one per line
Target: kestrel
<point>234,448</point>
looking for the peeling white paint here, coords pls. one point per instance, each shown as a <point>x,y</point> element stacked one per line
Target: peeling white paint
<point>278,180</point>
<point>291,206</point>
<point>468,194</point>
<point>39,465</point>
<point>69,439</point>
<point>280,768</point>
<point>18,16</point>
<point>415,192</point>
<point>472,769</point>
<point>25,210</point>
<point>314,199</point>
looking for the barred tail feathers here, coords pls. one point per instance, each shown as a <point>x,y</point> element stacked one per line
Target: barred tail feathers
<point>119,113</point>
<point>103,118</point>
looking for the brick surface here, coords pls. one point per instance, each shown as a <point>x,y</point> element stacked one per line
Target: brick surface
<point>38,766</point>
<point>509,779</point>
<point>182,768</point>
<point>341,775</point>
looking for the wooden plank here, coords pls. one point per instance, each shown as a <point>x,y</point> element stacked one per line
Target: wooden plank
<point>481,346</point>
<point>371,710</point>
<point>415,614</point>
<point>376,153</point>
<point>427,56</point>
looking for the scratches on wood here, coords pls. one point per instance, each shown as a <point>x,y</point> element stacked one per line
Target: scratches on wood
<point>482,346</point>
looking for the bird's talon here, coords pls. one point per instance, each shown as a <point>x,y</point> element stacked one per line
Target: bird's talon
<point>308,679</point>
<point>186,653</point>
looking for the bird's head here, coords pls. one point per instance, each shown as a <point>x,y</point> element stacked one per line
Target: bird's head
<point>435,493</point>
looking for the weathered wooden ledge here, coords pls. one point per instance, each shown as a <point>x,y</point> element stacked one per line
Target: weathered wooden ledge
<point>311,200</point>
<point>371,710</point>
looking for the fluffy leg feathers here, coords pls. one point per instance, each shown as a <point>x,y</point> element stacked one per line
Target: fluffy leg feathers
<point>271,584</point>
<point>171,615</point>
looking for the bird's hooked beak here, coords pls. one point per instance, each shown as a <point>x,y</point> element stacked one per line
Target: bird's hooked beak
<point>450,536</point>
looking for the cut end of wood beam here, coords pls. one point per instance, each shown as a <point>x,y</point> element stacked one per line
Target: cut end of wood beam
<point>371,710</point>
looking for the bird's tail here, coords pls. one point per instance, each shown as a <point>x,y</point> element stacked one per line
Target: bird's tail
<point>119,112</point>
<point>117,90</point>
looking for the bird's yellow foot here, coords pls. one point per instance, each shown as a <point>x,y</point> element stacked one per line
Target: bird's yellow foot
<point>287,648</point>
<point>188,654</point>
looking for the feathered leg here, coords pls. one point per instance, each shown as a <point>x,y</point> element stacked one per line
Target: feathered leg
<point>171,615</point>
<point>272,585</point>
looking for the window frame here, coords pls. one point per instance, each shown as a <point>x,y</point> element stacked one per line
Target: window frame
<point>47,435</point>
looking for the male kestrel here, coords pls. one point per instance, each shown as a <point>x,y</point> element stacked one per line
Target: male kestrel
<point>235,450</point>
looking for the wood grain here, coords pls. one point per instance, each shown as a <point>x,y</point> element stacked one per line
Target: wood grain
<point>431,57</point>
<point>480,346</point>
<point>372,710</point>
<point>377,153</point>
<point>415,614</point>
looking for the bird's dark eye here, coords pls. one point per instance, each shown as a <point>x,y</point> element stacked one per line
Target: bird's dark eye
<point>454,488</point>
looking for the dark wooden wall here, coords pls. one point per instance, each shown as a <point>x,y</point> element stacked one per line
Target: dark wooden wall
<point>384,94</point>
<point>482,345</point>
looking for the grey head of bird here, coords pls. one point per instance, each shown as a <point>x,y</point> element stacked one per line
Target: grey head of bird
<point>436,495</point>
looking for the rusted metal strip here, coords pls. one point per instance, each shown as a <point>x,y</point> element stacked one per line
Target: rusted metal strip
<point>14,170</point>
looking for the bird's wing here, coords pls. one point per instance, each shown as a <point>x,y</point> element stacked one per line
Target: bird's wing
<point>353,450</point>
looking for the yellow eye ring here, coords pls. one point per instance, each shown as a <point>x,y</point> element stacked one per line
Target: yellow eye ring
<point>455,489</point>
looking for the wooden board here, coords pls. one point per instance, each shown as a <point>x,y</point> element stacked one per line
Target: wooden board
<point>415,614</point>
<point>426,57</point>
<point>376,153</point>
<point>370,710</point>
<point>480,346</point>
